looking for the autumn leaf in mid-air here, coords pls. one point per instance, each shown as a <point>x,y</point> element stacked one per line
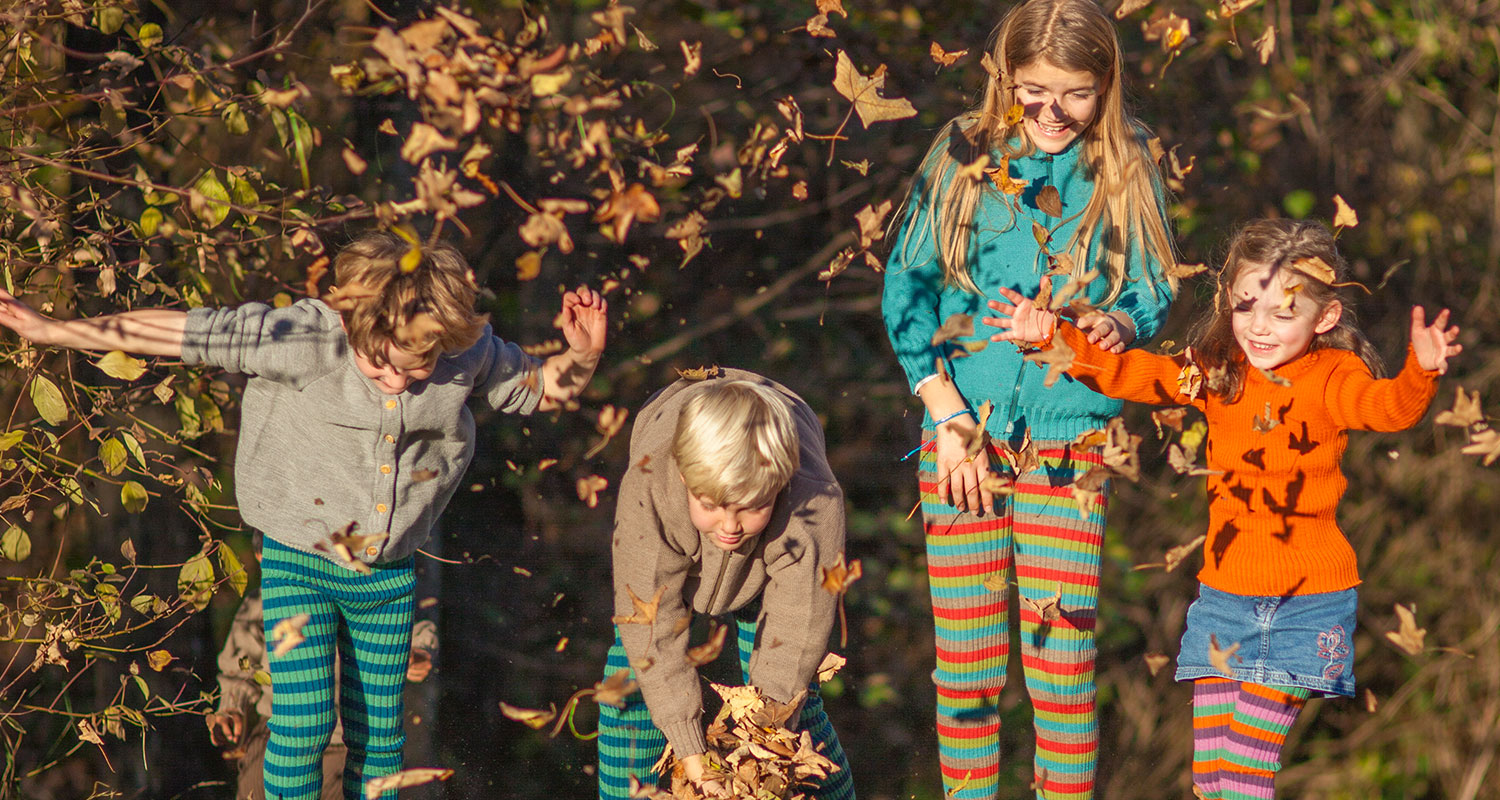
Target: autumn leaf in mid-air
<point>832,663</point>
<point>944,58</point>
<point>1168,28</point>
<point>1264,422</point>
<point>375,787</point>
<point>1049,201</point>
<point>954,327</point>
<point>624,207</point>
<point>1155,661</point>
<point>870,218</point>
<point>1057,358</point>
<point>423,141</point>
<point>836,581</point>
<point>866,93</point>
<point>287,633</point>
<point>1407,635</point>
<point>1088,489</point>
<point>1049,608</point>
<point>1180,271</point>
<point>611,421</point>
<point>614,689</point>
<point>1316,268</point>
<point>1466,411</point>
<point>1128,7</point>
<point>1265,45</point>
<point>1120,450</point>
<point>1176,555</point>
<point>1484,443</point>
<point>1219,657</point>
<point>644,613</point>
<point>530,717</point>
<point>1343,215</point>
<point>345,543</point>
<point>1168,418</point>
<point>709,650</point>
<point>589,489</point>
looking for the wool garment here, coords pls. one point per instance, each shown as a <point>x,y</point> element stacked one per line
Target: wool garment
<point>1052,542</point>
<point>1238,733</point>
<point>1275,484</point>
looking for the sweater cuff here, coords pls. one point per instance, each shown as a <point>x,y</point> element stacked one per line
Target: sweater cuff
<point>195,335</point>
<point>685,736</point>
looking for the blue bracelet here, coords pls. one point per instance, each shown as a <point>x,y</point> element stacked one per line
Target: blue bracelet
<point>954,415</point>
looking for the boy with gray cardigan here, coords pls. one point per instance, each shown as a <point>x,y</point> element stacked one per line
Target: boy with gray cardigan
<point>728,507</point>
<point>354,419</point>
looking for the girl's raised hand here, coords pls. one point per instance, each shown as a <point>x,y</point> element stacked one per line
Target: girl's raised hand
<point>20,318</point>
<point>584,321</point>
<point>1433,344</point>
<point>1024,322</point>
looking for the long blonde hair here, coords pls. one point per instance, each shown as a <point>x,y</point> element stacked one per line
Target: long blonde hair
<point>1277,244</point>
<point>1072,35</point>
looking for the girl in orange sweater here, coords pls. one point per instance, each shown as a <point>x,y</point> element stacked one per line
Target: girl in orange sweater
<point>1281,373</point>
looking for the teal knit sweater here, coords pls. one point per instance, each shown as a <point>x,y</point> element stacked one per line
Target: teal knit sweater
<point>1004,253</point>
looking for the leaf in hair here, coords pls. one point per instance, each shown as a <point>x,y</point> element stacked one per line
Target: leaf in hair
<point>1014,115</point>
<point>1315,268</point>
<point>1265,44</point>
<point>1343,215</point>
<point>1465,412</point>
<point>1049,201</point>
<point>945,58</point>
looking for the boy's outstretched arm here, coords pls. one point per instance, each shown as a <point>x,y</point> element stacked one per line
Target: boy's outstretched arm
<point>584,321</point>
<point>150,332</point>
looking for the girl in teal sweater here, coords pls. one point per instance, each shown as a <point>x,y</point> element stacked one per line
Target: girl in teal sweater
<point>1048,174</point>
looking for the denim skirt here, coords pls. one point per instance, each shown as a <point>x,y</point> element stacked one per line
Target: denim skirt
<point>1298,640</point>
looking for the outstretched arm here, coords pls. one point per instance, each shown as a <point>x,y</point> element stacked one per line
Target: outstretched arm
<point>1433,344</point>
<point>151,332</point>
<point>584,321</point>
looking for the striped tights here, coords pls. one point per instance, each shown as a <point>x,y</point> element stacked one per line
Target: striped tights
<point>1238,731</point>
<point>630,745</point>
<point>1054,545</point>
<point>364,621</point>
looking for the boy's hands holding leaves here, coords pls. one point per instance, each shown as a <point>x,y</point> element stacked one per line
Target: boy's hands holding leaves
<point>1433,344</point>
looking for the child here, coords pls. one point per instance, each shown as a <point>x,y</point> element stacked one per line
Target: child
<point>239,724</point>
<point>728,507</point>
<point>353,416</point>
<point>1282,374</point>
<point>1057,153</point>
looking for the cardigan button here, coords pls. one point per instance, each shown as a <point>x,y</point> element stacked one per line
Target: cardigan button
<point>372,551</point>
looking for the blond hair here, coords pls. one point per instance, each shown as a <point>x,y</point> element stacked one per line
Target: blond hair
<point>736,443</point>
<point>1072,35</point>
<point>1278,244</point>
<point>425,311</point>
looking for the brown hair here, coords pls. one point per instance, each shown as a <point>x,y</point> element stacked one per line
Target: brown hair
<point>1277,244</point>
<point>1073,35</point>
<point>426,311</point>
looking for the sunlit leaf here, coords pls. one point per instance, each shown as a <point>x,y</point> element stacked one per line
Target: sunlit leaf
<point>118,364</point>
<point>48,400</point>
<point>229,564</point>
<point>209,200</point>
<point>15,544</point>
<point>867,93</point>
<point>1407,636</point>
<point>134,497</point>
<point>530,717</point>
<point>1343,216</point>
<point>195,581</point>
<point>287,634</point>
<point>158,659</point>
<point>1219,657</point>
<point>416,776</point>
<point>112,455</point>
<point>644,613</point>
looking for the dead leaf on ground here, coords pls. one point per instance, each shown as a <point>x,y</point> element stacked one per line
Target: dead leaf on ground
<point>1407,636</point>
<point>644,613</point>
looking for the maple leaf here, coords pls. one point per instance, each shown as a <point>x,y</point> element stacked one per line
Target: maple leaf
<point>1220,657</point>
<point>1049,608</point>
<point>832,663</point>
<point>644,613</point>
<point>1265,45</point>
<point>589,489</point>
<point>944,58</point>
<point>1120,450</point>
<point>287,634</point>
<point>1485,442</point>
<point>870,231</point>
<point>624,207</point>
<point>530,717</point>
<point>1057,358</point>
<point>866,93</point>
<point>955,326</point>
<point>1466,411</point>
<point>709,650</point>
<point>1264,422</point>
<point>423,141</point>
<point>1155,661</point>
<point>1087,490</point>
<point>614,689</point>
<point>1049,201</point>
<point>1023,459</point>
<point>1407,636</point>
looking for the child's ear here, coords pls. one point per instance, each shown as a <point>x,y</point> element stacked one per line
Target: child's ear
<point>1330,317</point>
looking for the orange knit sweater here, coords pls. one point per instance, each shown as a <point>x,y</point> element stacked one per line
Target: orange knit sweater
<point>1273,494</point>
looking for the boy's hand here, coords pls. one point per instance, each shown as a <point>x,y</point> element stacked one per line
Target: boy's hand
<point>1024,321</point>
<point>1433,344</point>
<point>584,321</point>
<point>20,318</point>
<point>692,769</point>
<point>418,665</point>
<point>225,728</point>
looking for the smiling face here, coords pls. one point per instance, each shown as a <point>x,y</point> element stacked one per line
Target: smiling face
<point>400,371</point>
<point>1272,323</point>
<point>1060,104</point>
<point>727,526</point>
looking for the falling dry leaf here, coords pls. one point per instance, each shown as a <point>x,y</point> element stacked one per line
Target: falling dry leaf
<point>423,475</point>
<point>799,190</point>
<point>1486,443</point>
<point>589,489</point>
<point>1168,28</point>
<point>1155,661</point>
<point>1000,176</point>
<point>1128,7</point>
<point>975,170</point>
<point>866,93</point>
<point>1466,411</point>
<point>1408,637</point>
<point>1264,422</point>
<point>1088,489</point>
<point>287,633</point>
<point>1120,450</point>
<point>955,326</point>
<point>1343,216</point>
<point>423,141</point>
<point>353,162</point>
<point>375,787</point>
<point>1168,418</point>
<point>624,207</point>
<point>692,55</point>
<point>709,650</point>
<point>944,58</point>
<point>1039,781</point>
<point>1274,378</point>
<point>1049,608</point>
<point>995,582</point>
<point>614,689</point>
<point>1265,45</point>
<point>1370,702</point>
<point>530,717</point>
<point>644,613</point>
<point>832,663</point>
<point>1041,234</point>
<point>87,733</point>
<point>1176,555</point>
<point>1316,268</point>
<point>1180,271</point>
<point>1058,357</point>
<point>1049,201</point>
<point>1220,657</point>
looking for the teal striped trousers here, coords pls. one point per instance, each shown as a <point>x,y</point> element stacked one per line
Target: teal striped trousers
<point>630,745</point>
<point>365,622</point>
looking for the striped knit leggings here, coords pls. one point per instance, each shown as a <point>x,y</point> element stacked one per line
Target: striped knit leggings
<point>1238,731</point>
<point>363,620</point>
<point>1054,545</point>
<point>630,745</point>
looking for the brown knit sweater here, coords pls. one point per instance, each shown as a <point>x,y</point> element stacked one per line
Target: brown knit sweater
<point>656,546</point>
